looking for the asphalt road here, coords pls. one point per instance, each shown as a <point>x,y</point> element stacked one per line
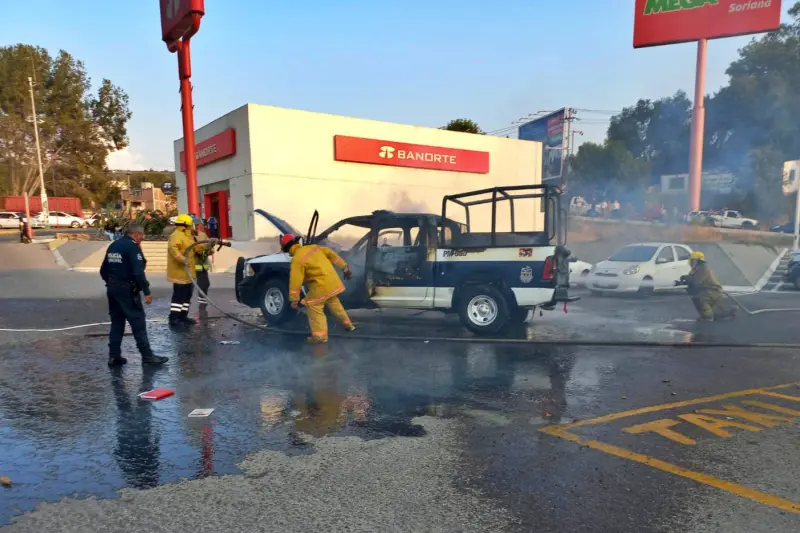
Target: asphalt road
<point>399,435</point>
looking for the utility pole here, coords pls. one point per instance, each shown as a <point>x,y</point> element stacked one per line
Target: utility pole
<point>45,207</point>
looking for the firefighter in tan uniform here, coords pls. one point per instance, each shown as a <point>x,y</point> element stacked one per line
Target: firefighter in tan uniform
<point>182,287</point>
<point>314,266</point>
<point>707,295</point>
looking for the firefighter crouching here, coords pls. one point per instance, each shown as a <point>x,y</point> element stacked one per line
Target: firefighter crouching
<point>202,264</point>
<point>314,266</point>
<point>182,287</point>
<point>707,294</point>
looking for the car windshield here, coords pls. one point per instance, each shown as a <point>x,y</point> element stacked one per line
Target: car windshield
<point>634,254</point>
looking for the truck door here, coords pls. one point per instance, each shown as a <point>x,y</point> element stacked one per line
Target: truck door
<point>400,274</point>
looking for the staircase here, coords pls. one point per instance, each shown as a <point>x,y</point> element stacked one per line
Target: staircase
<point>156,254</point>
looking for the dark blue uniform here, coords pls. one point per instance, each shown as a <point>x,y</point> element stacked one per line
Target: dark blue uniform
<point>123,272</point>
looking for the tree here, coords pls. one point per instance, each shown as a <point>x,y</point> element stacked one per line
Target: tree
<point>464,125</point>
<point>77,129</point>
<point>608,169</point>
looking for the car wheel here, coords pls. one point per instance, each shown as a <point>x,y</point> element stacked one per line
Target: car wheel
<point>483,309</point>
<point>584,277</point>
<point>75,224</point>
<point>648,287</point>
<point>275,302</point>
<point>748,225</point>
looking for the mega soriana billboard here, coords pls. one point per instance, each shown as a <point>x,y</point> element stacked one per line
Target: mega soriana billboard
<point>659,22</point>
<point>548,130</point>
<point>397,154</point>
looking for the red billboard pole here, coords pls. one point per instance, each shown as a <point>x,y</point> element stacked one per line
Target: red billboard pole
<point>180,20</point>
<point>698,129</point>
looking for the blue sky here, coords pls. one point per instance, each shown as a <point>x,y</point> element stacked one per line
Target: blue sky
<point>415,62</point>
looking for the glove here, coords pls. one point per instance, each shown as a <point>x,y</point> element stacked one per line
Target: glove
<point>347,272</point>
<point>294,305</point>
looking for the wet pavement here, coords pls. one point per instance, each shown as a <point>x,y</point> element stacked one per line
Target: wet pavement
<point>412,435</point>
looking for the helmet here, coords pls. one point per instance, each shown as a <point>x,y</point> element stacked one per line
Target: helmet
<point>697,256</point>
<point>184,220</point>
<point>287,241</point>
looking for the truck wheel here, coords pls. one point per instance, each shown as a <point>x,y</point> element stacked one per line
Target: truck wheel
<point>275,302</point>
<point>483,309</point>
<point>748,225</point>
<point>75,224</point>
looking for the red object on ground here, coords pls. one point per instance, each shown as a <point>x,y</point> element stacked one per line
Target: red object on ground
<point>68,204</point>
<point>156,394</point>
<point>212,149</point>
<point>397,154</point>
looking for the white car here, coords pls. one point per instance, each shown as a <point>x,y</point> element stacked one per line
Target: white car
<point>578,271</point>
<point>9,220</point>
<point>60,219</point>
<point>641,268</point>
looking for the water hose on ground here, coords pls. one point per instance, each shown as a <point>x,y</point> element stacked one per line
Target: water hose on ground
<point>409,338</point>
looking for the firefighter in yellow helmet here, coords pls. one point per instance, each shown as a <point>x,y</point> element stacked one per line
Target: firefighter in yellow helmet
<point>314,265</point>
<point>707,294</point>
<point>182,287</point>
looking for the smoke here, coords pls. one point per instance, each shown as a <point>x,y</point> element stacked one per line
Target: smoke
<point>401,202</point>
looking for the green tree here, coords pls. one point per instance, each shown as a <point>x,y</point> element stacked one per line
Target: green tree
<point>607,169</point>
<point>464,125</point>
<point>77,128</point>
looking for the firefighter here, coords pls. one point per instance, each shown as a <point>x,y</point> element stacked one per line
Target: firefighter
<point>202,264</point>
<point>123,271</point>
<point>182,287</point>
<point>314,266</point>
<point>707,294</point>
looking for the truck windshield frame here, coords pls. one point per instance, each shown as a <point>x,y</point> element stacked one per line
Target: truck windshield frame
<point>550,199</point>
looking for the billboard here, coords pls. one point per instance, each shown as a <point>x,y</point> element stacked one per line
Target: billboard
<point>548,130</point>
<point>659,22</point>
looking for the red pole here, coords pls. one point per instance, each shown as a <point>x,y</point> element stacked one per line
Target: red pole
<point>698,127</point>
<point>187,113</point>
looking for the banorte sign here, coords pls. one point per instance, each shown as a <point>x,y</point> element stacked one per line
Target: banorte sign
<point>658,22</point>
<point>212,149</point>
<point>397,154</point>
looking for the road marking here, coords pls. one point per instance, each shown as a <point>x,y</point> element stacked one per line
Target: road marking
<point>733,488</point>
<point>771,270</point>
<point>777,287</point>
<point>701,419</point>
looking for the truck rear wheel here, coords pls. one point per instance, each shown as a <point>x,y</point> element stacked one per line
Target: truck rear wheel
<point>274,302</point>
<point>483,309</point>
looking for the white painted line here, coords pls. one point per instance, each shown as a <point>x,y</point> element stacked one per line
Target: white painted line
<point>60,259</point>
<point>777,287</point>
<point>771,270</point>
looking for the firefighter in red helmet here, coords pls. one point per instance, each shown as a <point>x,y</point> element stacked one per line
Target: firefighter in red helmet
<point>314,265</point>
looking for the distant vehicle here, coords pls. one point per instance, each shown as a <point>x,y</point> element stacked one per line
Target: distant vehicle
<point>9,220</point>
<point>700,216</point>
<point>793,275</point>
<point>783,228</point>
<point>60,219</point>
<point>794,259</point>
<point>733,219</point>
<point>642,268</point>
<point>36,220</point>
<point>91,221</point>
<point>578,271</point>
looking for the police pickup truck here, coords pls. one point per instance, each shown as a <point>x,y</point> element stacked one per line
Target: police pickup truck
<point>424,261</point>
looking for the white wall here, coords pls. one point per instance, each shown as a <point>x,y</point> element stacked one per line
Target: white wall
<point>236,169</point>
<point>294,171</point>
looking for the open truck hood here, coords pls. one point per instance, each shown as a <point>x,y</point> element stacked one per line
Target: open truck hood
<point>281,225</point>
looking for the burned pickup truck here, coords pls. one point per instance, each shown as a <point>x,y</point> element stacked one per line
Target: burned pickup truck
<point>423,261</point>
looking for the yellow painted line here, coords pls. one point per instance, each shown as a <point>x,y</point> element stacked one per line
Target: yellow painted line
<point>783,396</point>
<point>733,488</point>
<point>663,407</point>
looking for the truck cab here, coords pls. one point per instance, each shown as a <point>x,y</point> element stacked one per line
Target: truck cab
<point>423,261</point>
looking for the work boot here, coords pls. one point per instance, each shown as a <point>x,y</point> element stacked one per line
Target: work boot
<point>189,321</point>
<point>351,328</point>
<point>177,323</point>
<point>317,340</point>
<point>154,359</point>
<point>116,361</point>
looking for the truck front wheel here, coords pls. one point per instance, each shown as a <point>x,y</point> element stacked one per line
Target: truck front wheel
<point>483,309</point>
<point>275,302</point>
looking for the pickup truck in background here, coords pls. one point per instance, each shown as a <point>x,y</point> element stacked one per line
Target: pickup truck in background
<point>732,219</point>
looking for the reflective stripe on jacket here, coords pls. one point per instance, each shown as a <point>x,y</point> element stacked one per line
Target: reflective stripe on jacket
<point>313,265</point>
<point>179,241</point>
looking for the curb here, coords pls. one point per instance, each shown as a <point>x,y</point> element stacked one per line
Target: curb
<point>60,260</point>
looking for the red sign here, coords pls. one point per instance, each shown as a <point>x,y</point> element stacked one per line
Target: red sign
<point>674,21</point>
<point>396,154</point>
<point>177,19</point>
<point>217,147</point>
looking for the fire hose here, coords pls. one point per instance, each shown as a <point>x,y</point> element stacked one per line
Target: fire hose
<point>408,338</point>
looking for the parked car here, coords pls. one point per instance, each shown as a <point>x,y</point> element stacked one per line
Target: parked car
<point>427,261</point>
<point>700,217</point>
<point>9,220</point>
<point>36,220</point>
<point>783,228</point>
<point>732,219</point>
<point>60,219</point>
<point>642,268</point>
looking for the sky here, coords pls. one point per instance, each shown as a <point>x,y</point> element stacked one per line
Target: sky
<point>414,62</point>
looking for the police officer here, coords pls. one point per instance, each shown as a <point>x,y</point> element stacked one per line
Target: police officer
<point>123,272</point>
